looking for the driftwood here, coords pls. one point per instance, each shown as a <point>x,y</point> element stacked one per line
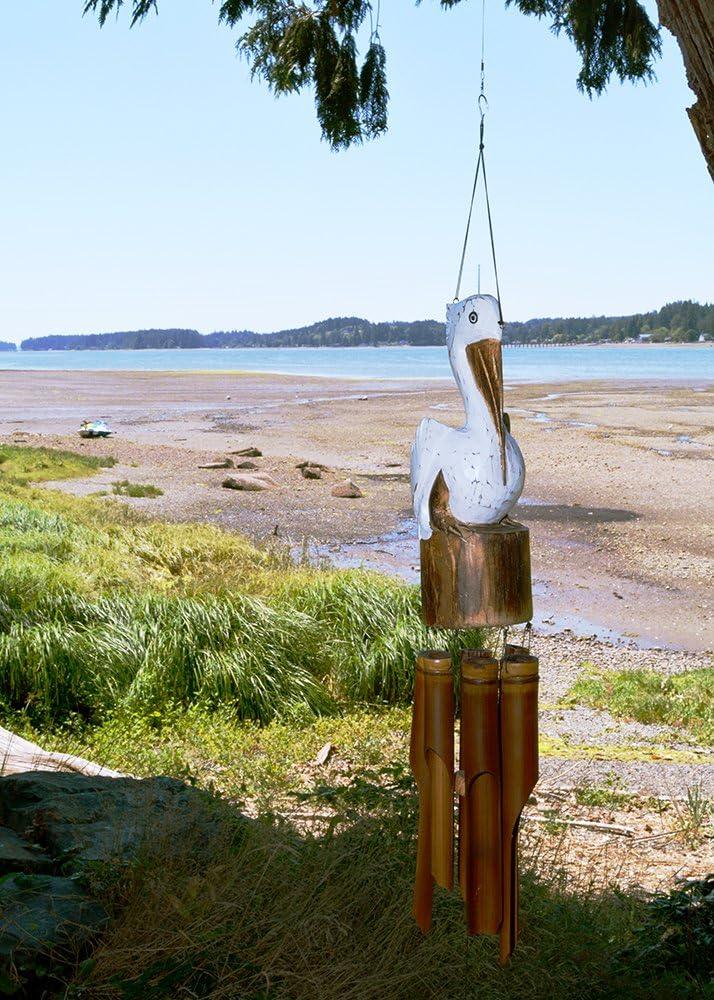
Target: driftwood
<point>622,831</point>
<point>18,755</point>
<point>692,24</point>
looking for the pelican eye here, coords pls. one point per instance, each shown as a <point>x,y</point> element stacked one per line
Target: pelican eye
<point>473,317</point>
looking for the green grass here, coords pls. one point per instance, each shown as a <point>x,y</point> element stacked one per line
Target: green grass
<point>685,701</point>
<point>123,488</point>
<point>240,760</point>
<point>609,795</point>
<point>102,609</point>
<point>24,464</point>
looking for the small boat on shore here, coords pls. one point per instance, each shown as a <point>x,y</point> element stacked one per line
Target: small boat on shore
<point>94,429</point>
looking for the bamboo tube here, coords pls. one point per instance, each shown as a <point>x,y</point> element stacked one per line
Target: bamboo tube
<point>519,773</point>
<point>432,760</point>
<point>480,806</point>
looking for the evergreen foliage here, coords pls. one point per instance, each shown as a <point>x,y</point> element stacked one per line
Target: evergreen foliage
<point>292,44</point>
<point>6,345</point>
<point>679,322</point>
<point>133,340</point>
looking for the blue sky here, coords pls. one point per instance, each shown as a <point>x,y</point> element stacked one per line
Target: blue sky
<point>147,182</point>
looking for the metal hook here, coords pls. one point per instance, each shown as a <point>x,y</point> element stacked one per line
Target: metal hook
<point>482,104</point>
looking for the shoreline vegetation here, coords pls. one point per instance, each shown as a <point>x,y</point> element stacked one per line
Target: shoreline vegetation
<point>105,609</point>
<point>274,697</point>
<point>677,322</point>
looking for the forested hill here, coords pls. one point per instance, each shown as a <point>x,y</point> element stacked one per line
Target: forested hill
<point>342,332</point>
<point>680,322</point>
<point>133,340</point>
<point>5,345</point>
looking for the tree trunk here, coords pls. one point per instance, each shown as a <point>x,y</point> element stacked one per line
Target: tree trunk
<point>692,24</point>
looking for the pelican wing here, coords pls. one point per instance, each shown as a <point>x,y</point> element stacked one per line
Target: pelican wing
<point>426,461</point>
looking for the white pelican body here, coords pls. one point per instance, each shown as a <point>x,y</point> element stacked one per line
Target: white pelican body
<point>481,464</point>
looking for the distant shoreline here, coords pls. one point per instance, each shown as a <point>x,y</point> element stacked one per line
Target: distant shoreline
<point>680,322</point>
<point>346,347</point>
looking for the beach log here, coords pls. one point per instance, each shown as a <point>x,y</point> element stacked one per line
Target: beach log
<point>476,575</point>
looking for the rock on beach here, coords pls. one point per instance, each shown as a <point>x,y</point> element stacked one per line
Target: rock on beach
<point>347,489</point>
<point>226,463</point>
<point>311,472</point>
<point>250,484</point>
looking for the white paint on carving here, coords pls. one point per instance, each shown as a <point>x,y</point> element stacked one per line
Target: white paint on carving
<point>468,457</point>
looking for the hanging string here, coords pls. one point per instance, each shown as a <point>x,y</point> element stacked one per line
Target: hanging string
<point>481,169</point>
<point>527,635</point>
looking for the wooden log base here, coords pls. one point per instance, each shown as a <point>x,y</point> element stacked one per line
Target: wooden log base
<point>476,575</point>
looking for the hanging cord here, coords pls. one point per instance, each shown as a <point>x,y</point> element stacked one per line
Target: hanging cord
<point>527,635</point>
<point>481,168</point>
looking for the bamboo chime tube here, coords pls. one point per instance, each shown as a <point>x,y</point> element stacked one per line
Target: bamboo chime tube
<point>498,759</point>
<point>432,760</point>
<point>519,772</point>
<point>480,804</point>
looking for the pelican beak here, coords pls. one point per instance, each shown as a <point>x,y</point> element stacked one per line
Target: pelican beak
<point>484,358</point>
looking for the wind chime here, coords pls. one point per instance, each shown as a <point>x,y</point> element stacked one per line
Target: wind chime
<point>475,571</point>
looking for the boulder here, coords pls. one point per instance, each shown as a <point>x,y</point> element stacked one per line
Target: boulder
<point>227,463</point>
<point>82,823</point>
<point>79,819</point>
<point>250,484</point>
<point>17,855</point>
<point>41,914</point>
<point>347,489</point>
<point>247,465</point>
<point>248,452</point>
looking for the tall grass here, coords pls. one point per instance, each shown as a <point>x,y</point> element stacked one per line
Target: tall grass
<point>101,609</point>
<point>66,653</point>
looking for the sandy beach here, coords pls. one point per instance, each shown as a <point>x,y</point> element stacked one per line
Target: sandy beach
<point>618,493</point>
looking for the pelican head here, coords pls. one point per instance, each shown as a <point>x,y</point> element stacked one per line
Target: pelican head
<point>473,337</point>
<point>472,319</point>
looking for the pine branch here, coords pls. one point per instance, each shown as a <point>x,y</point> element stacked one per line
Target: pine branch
<point>292,45</point>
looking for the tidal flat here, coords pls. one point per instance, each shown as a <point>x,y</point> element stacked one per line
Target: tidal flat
<point>618,486</point>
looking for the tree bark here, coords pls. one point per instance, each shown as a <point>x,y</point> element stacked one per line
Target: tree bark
<point>692,24</point>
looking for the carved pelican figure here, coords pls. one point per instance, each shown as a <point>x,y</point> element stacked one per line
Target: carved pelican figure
<point>480,464</point>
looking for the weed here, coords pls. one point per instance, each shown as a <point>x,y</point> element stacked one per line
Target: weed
<point>250,908</point>
<point>677,934</point>
<point>684,700</point>
<point>694,815</point>
<point>609,795</point>
<point>22,464</point>
<point>101,609</point>
<point>123,488</point>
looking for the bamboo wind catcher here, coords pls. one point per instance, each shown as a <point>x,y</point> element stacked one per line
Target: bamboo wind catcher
<point>475,570</point>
